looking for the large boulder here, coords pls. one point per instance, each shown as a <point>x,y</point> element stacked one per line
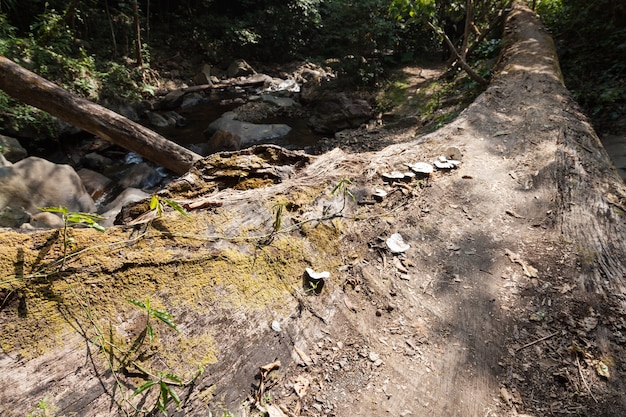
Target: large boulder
<point>336,112</point>
<point>32,183</point>
<point>245,133</point>
<point>239,68</point>
<point>112,209</point>
<point>12,150</point>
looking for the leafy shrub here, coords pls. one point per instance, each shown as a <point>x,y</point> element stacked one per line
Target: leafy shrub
<point>591,42</point>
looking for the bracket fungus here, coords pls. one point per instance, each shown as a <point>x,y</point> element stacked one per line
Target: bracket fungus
<point>396,244</point>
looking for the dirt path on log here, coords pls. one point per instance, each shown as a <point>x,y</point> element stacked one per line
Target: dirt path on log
<point>509,300</point>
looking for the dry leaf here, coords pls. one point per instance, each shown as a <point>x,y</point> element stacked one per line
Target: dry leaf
<point>306,359</point>
<point>301,385</point>
<point>602,369</point>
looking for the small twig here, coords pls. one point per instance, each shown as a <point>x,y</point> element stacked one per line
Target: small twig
<point>582,377</point>
<point>537,341</point>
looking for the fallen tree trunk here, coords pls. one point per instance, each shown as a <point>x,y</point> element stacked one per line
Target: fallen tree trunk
<point>508,297</point>
<point>36,91</point>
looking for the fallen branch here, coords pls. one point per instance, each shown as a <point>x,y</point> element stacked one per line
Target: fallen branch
<point>582,377</point>
<point>537,341</point>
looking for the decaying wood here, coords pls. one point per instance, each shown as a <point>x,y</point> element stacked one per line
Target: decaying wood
<point>226,286</point>
<point>36,91</point>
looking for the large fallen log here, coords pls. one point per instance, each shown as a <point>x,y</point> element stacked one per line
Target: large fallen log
<point>36,91</point>
<point>509,299</point>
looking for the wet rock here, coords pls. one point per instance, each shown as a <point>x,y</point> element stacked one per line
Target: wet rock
<point>278,101</point>
<point>111,210</point>
<point>175,119</point>
<point>94,160</point>
<point>223,140</point>
<point>191,100</point>
<point>156,120</point>
<point>173,99</point>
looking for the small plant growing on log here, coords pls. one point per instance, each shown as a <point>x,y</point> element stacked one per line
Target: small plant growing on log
<point>278,217</point>
<point>44,409</point>
<point>72,218</point>
<point>157,204</point>
<point>164,382</point>
<point>342,188</point>
<point>161,315</point>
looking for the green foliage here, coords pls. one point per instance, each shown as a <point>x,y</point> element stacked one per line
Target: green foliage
<point>44,409</point>
<point>343,188</point>
<point>158,314</point>
<point>423,10</point>
<point>393,94</point>
<point>163,381</point>
<point>488,49</point>
<point>164,384</point>
<point>278,216</point>
<point>550,11</point>
<point>591,39</point>
<point>157,203</point>
<point>6,5</point>
<point>72,218</point>
<point>17,116</point>
<point>76,217</point>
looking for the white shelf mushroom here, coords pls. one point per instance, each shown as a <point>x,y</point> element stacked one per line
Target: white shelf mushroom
<point>396,244</point>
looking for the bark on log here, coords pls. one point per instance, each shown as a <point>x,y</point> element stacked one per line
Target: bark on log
<point>227,275</point>
<point>36,91</point>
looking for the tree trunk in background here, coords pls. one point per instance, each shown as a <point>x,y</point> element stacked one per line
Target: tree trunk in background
<point>137,25</point>
<point>469,21</point>
<point>36,91</point>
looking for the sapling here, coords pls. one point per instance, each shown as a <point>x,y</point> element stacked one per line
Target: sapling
<point>74,217</point>
<point>342,188</point>
<point>161,315</point>
<point>164,382</point>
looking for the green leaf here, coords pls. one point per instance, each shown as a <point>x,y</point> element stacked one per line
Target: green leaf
<point>173,378</point>
<point>150,332</point>
<point>173,204</point>
<point>163,398</point>
<point>137,303</point>
<point>154,202</point>
<point>143,387</point>
<point>165,317</point>
<point>86,218</point>
<point>97,227</point>
<point>174,396</point>
<point>59,209</point>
